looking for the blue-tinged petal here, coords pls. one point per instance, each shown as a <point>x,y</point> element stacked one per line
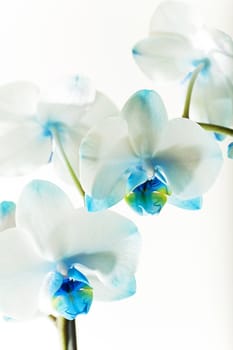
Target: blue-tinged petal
<point>146,117</point>
<point>18,101</point>
<point>137,177</point>
<point>41,207</point>
<point>230,150</point>
<point>92,204</point>
<point>7,215</point>
<point>219,137</point>
<point>23,148</point>
<point>165,57</point>
<point>104,247</point>
<point>106,159</point>
<point>22,272</point>
<point>176,17</point>
<point>189,157</point>
<point>189,204</point>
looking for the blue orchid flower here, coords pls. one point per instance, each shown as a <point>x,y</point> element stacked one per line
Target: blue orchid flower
<point>177,44</point>
<point>57,259</point>
<point>147,158</point>
<point>34,124</point>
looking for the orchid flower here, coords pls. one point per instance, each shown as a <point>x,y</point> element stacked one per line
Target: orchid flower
<point>180,48</point>
<point>59,258</point>
<point>32,124</point>
<point>147,158</point>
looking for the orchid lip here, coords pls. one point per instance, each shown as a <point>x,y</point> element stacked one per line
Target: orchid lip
<point>149,197</point>
<point>71,294</point>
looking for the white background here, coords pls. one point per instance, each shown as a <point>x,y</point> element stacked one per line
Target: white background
<point>185,290</point>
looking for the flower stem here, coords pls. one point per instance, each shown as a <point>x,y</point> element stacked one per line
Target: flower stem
<point>190,90</point>
<point>67,162</point>
<point>67,332</point>
<point>216,128</point>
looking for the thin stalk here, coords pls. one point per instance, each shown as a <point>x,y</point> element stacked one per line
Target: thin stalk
<point>217,128</point>
<point>190,90</point>
<point>67,333</point>
<point>62,325</point>
<point>72,336</point>
<point>67,162</point>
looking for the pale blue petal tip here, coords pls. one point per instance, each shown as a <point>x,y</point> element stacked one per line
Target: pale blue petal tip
<point>6,208</point>
<point>230,150</point>
<point>94,205</point>
<point>188,204</point>
<point>136,52</point>
<point>55,282</point>
<point>42,186</point>
<point>131,287</point>
<point>8,319</point>
<point>130,290</point>
<point>219,137</point>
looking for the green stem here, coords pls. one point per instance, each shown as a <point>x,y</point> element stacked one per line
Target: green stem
<point>67,332</point>
<point>67,162</point>
<point>217,128</point>
<point>190,90</point>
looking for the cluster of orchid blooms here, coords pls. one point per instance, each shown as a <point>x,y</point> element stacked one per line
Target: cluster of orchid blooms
<point>52,251</point>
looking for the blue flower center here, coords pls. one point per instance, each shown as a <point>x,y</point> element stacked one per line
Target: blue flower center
<point>206,65</point>
<point>71,294</point>
<point>149,197</point>
<point>50,126</point>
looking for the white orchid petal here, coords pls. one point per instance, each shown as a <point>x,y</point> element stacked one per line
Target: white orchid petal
<point>146,117</point>
<point>23,148</point>
<point>176,17</point>
<point>18,101</point>
<point>105,247</point>
<point>101,108</point>
<point>164,57</point>
<point>212,99</point>
<point>72,138</point>
<point>223,41</point>
<point>76,89</point>
<point>7,215</point>
<point>106,157</point>
<point>189,157</point>
<point>104,291</point>
<point>75,115</point>
<point>41,207</point>
<point>22,272</point>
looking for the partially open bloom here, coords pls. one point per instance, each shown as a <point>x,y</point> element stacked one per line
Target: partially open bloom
<point>177,44</point>
<point>32,124</point>
<point>57,258</point>
<point>145,157</point>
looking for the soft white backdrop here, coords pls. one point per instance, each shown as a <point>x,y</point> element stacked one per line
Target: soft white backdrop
<point>185,286</point>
